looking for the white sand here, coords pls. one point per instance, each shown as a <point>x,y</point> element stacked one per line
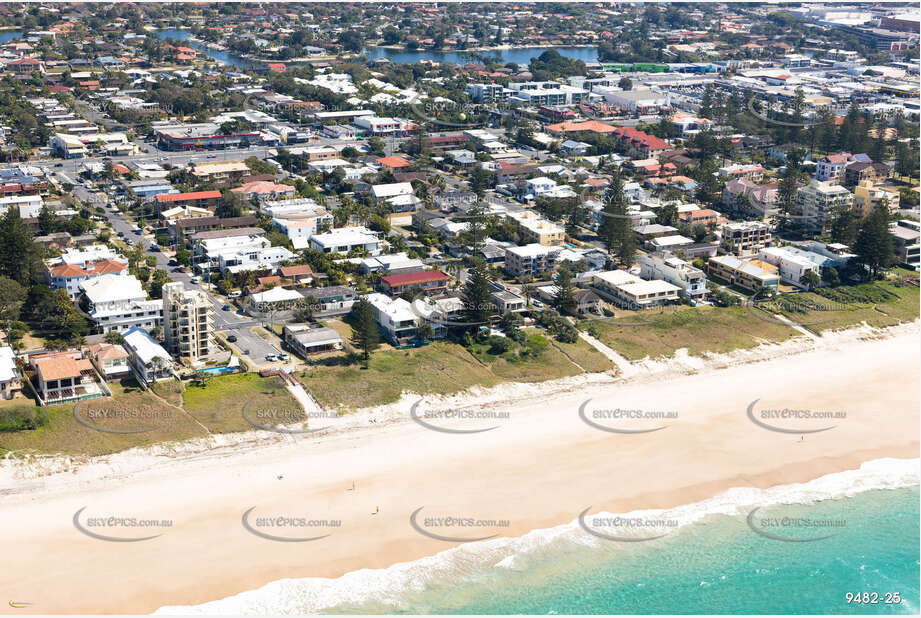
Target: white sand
<point>539,468</point>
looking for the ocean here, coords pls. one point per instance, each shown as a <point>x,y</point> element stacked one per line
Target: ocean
<point>805,548</point>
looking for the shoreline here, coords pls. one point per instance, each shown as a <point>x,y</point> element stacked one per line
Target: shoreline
<point>538,469</point>
<point>46,465</point>
<point>316,595</point>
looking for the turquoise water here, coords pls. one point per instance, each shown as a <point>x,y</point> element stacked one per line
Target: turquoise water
<point>217,370</point>
<point>718,565</point>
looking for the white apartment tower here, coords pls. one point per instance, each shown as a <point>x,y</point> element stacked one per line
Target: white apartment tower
<point>188,322</point>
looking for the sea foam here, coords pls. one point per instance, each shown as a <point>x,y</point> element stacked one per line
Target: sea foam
<point>388,588</point>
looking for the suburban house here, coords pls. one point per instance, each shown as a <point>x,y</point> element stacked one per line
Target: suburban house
<point>305,339</point>
<point>65,376</point>
<point>330,301</point>
<point>110,360</point>
<point>395,317</point>
<point>75,266</point>
<point>10,376</point>
<point>149,361</point>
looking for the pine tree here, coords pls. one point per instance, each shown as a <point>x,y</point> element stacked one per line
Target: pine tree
<point>365,335</point>
<point>874,242</point>
<point>616,230</point>
<point>563,297</point>
<point>17,251</point>
<point>844,226</point>
<point>476,294</point>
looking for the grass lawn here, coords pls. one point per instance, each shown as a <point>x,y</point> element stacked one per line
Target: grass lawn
<point>700,329</point>
<point>218,405</point>
<point>879,304</point>
<point>440,368</point>
<point>129,409</point>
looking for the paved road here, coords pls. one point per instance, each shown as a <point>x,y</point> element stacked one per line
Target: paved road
<point>228,322</point>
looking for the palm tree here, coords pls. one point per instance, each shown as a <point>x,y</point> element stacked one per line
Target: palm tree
<point>528,290</point>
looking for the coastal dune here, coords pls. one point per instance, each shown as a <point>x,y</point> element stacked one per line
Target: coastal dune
<point>659,442</point>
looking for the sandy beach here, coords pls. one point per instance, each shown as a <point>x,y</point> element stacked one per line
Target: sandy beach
<point>541,465</point>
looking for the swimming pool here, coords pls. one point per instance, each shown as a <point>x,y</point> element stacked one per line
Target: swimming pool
<point>217,370</point>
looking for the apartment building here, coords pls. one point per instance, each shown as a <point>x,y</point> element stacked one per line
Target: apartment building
<point>750,199</point>
<point>118,302</point>
<point>831,168</point>
<point>867,197</point>
<point>531,260</point>
<point>746,238</point>
<point>749,274</point>
<point>630,292</point>
<point>691,280</point>
<point>344,239</point>
<point>427,281</point>
<point>791,264</point>
<point>80,264</point>
<point>533,228</point>
<point>188,319</point>
<point>905,240</point>
<point>818,201</point>
<point>488,93</point>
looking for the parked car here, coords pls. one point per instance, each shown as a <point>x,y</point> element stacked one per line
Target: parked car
<point>232,338</point>
<point>172,262</point>
<point>196,280</point>
<point>227,308</point>
<point>283,356</point>
<point>270,358</point>
<point>235,294</point>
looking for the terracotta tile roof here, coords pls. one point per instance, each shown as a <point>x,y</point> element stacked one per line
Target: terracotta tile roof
<point>66,367</point>
<point>165,198</point>
<point>413,278</point>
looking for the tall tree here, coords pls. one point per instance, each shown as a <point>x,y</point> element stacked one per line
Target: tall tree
<point>365,335</point>
<point>874,242</point>
<point>616,229</point>
<point>786,193</point>
<point>17,251</point>
<point>478,306</point>
<point>563,292</point>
